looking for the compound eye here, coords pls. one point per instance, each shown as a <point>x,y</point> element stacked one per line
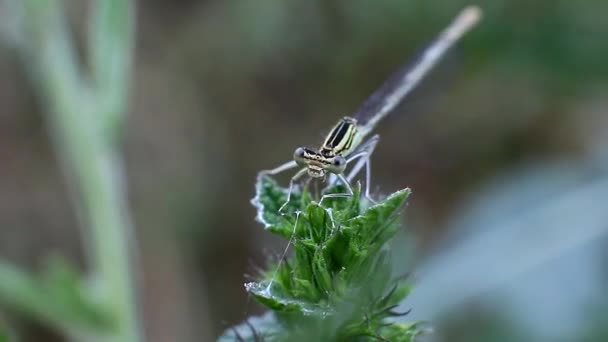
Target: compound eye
<point>298,156</point>
<point>338,164</point>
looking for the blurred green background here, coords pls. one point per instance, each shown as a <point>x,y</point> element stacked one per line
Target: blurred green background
<point>508,129</point>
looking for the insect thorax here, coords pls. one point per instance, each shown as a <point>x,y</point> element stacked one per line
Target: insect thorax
<point>340,139</point>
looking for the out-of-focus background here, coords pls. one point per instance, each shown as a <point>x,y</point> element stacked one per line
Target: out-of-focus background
<point>504,147</point>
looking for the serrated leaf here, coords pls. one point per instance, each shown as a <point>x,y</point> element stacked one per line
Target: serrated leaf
<point>321,272</point>
<point>303,259</point>
<point>305,289</point>
<point>268,200</point>
<point>337,250</point>
<point>380,271</point>
<point>273,298</point>
<point>284,275</point>
<point>380,215</point>
<point>395,295</point>
<point>385,209</point>
<point>319,223</point>
<point>340,262</point>
<point>403,290</point>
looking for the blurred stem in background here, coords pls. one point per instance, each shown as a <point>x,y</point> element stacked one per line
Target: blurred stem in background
<point>86,110</point>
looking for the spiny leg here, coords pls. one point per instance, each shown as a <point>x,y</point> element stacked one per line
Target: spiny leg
<point>364,149</point>
<point>364,155</point>
<point>349,189</point>
<point>292,182</point>
<point>368,178</point>
<point>289,243</point>
<point>364,159</point>
<point>283,167</point>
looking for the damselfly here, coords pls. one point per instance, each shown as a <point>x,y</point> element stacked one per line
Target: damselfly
<point>345,142</point>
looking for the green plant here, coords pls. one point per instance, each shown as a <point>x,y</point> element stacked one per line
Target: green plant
<point>85,107</point>
<point>338,285</point>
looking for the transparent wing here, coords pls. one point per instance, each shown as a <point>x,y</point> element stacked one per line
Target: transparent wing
<point>406,78</point>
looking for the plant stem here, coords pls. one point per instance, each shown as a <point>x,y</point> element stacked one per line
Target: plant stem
<point>79,117</point>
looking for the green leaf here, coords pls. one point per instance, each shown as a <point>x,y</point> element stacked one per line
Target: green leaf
<point>401,332</point>
<point>398,292</point>
<point>376,225</point>
<point>268,199</point>
<point>306,290</point>
<point>58,297</point>
<point>380,213</point>
<point>284,276</point>
<point>5,336</point>
<point>321,272</point>
<point>337,283</point>
<point>337,250</point>
<point>268,295</point>
<point>319,223</point>
<point>378,268</point>
<point>303,259</point>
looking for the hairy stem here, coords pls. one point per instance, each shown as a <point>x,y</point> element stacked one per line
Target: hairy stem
<point>80,115</point>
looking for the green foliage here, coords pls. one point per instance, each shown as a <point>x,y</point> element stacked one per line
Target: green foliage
<point>58,296</point>
<point>338,284</point>
<point>4,335</point>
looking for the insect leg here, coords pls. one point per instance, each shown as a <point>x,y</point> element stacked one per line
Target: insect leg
<point>364,156</point>
<point>344,181</point>
<point>292,182</point>
<point>283,167</point>
<point>364,151</point>
<point>289,243</point>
